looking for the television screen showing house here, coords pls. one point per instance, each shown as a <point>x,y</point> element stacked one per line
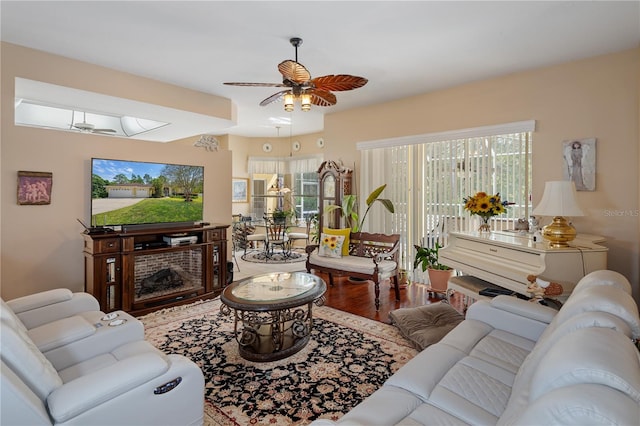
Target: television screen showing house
<point>134,192</point>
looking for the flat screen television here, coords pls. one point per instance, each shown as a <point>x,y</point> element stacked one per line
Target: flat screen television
<point>144,193</point>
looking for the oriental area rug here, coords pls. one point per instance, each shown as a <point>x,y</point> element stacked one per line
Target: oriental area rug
<point>347,359</point>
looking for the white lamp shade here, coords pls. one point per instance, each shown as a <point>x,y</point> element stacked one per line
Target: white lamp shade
<point>559,199</point>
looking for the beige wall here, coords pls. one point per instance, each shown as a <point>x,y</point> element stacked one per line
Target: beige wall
<point>598,97</point>
<point>41,246</point>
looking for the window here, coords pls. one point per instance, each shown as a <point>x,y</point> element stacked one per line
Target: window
<point>300,174</point>
<point>428,176</point>
<point>305,190</point>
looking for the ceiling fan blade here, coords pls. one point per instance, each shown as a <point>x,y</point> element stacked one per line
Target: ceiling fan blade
<point>103,131</point>
<point>322,97</point>
<point>293,71</point>
<point>339,82</point>
<point>256,84</point>
<point>273,98</point>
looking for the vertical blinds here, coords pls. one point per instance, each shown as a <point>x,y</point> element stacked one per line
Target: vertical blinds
<point>427,182</point>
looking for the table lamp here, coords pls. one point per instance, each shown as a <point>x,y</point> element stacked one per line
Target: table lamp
<point>558,200</point>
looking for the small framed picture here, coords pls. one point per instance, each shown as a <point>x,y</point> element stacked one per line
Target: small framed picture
<point>34,188</point>
<point>240,190</point>
<point>580,163</point>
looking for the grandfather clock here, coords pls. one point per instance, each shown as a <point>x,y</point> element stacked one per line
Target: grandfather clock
<point>335,183</point>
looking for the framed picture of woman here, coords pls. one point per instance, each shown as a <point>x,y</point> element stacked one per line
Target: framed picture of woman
<point>580,163</point>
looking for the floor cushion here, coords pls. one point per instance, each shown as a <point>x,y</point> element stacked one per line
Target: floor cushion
<point>425,325</point>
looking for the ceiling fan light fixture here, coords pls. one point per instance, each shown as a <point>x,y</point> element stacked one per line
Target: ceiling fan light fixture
<point>288,102</point>
<point>303,88</point>
<point>305,102</point>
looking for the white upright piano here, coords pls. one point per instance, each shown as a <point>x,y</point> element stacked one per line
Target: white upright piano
<point>507,258</point>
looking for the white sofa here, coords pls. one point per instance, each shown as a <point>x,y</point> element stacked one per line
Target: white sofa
<point>65,362</point>
<point>512,362</point>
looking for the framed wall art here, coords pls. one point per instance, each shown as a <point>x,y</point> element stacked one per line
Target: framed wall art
<point>34,188</point>
<point>240,190</point>
<point>579,158</point>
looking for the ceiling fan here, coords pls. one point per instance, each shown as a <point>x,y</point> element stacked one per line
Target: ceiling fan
<point>297,79</point>
<point>90,128</point>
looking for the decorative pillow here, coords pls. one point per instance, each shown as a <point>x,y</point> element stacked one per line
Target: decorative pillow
<point>330,245</point>
<point>346,233</point>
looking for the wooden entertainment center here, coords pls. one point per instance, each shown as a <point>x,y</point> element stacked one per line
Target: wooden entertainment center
<point>143,268</point>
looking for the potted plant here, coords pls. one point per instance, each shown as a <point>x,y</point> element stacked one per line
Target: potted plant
<point>439,274</point>
<point>280,215</point>
<point>349,210</point>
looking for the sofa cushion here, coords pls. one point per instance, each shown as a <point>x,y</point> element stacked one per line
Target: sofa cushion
<point>27,362</point>
<point>519,400</point>
<point>7,315</point>
<point>605,298</point>
<point>363,265</point>
<point>39,300</point>
<point>473,390</point>
<point>586,356</point>
<point>425,325</point>
<point>601,278</point>
<point>345,232</point>
<point>579,405</point>
<point>503,349</point>
<point>62,332</point>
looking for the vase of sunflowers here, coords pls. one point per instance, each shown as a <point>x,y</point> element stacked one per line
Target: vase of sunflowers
<point>485,206</point>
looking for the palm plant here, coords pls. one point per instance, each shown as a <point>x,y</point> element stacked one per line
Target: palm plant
<point>349,208</point>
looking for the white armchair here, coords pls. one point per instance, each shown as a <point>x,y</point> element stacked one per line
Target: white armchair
<point>89,372</point>
<point>68,327</point>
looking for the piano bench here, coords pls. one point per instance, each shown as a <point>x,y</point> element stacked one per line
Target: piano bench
<point>470,288</point>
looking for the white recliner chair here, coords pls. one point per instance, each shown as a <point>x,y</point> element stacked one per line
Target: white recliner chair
<point>69,327</point>
<point>63,362</point>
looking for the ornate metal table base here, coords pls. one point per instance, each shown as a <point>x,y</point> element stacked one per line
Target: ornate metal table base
<point>273,313</point>
<point>273,335</point>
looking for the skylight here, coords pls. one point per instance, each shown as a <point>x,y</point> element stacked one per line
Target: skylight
<point>37,114</point>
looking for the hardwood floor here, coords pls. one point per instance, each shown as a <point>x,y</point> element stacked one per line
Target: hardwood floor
<point>358,298</point>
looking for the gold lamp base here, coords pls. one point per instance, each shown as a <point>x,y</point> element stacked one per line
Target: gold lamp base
<point>559,232</point>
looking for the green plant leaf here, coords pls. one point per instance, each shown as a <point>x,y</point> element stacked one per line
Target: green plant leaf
<point>375,194</point>
<point>388,204</point>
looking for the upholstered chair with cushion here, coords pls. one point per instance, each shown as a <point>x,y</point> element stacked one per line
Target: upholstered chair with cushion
<point>68,327</point>
<point>300,236</point>
<point>68,364</point>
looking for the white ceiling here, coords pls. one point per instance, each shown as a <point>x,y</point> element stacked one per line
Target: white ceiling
<point>403,48</point>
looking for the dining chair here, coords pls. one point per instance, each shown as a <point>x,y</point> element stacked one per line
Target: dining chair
<point>251,237</point>
<point>295,236</point>
<point>277,236</point>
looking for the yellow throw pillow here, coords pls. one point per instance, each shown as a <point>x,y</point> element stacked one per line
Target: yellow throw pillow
<point>345,233</point>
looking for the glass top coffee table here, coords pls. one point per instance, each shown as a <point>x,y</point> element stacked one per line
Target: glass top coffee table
<point>273,313</point>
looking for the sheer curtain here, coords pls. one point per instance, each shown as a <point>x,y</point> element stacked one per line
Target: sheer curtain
<point>428,176</point>
<point>284,165</point>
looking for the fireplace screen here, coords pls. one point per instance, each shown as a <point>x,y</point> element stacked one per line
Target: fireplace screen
<point>163,274</point>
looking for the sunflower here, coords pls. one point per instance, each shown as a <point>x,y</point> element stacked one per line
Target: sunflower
<point>485,205</point>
